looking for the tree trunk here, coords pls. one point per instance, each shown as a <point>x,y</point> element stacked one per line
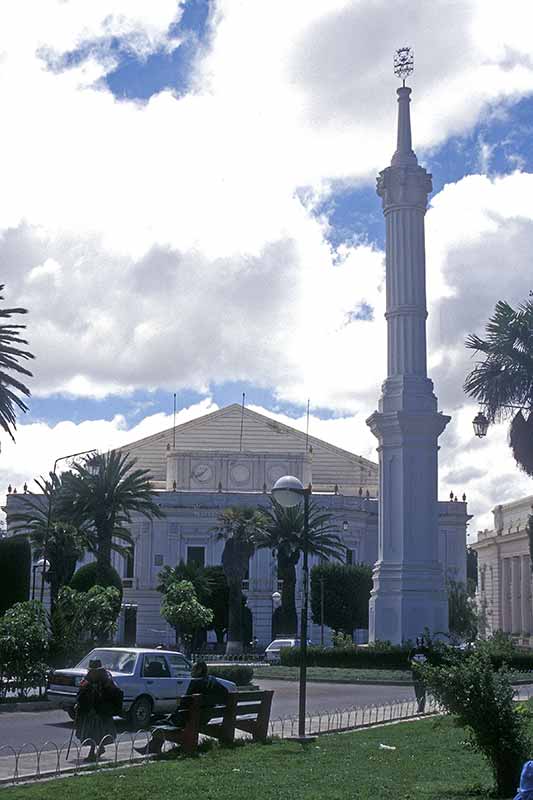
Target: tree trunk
<point>103,556</point>
<point>234,644</point>
<point>287,622</point>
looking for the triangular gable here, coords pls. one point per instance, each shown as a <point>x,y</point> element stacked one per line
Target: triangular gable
<point>221,431</point>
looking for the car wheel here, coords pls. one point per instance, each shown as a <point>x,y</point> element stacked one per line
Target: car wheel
<point>140,713</point>
<point>72,714</point>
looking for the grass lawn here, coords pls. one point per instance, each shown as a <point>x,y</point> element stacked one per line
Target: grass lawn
<point>334,674</point>
<point>431,762</point>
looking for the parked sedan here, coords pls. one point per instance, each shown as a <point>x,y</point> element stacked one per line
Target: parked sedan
<point>152,680</point>
<point>272,652</point>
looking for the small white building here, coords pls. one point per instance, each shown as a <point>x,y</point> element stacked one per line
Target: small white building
<point>233,458</point>
<point>504,571</point>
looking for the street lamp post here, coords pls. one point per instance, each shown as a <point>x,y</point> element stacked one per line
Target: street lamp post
<point>49,514</point>
<point>276,602</point>
<point>288,491</point>
<point>40,564</point>
<point>321,611</point>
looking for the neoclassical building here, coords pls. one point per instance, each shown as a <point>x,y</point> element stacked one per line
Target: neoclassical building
<point>504,570</point>
<point>233,457</point>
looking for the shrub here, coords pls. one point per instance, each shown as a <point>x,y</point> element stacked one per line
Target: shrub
<point>482,701</point>
<point>356,657</point>
<point>15,570</point>
<point>23,646</point>
<point>238,673</point>
<point>86,577</point>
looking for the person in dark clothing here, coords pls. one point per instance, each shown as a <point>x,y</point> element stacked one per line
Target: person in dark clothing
<point>213,692</point>
<point>417,658</point>
<point>94,709</point>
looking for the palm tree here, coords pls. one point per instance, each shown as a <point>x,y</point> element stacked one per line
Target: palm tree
<point>10,355</point>
<point>239,527</point>
<point>283,534</point>
<point>101,493</point>
<point>503,382</point>
<point>64,543</point>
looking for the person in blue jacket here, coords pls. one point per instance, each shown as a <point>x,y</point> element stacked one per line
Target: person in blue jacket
<point>525,792</point>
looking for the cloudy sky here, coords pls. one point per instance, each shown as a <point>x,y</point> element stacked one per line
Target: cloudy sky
<point>187,204</point>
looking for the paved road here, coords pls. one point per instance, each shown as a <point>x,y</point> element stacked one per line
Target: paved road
<point>43,726</point>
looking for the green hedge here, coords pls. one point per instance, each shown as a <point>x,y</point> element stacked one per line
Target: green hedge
<point>238,673</point>
<point>391,658</point>
<point>15,572</point>
<point>356,657</point>
<point>86,577</point>
<point>520,662</point>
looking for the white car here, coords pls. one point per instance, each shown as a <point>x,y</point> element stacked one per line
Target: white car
<point>272,652</point>
<point>152,680</point>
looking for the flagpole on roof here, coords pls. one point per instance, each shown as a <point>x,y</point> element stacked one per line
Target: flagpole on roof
<point>307,428</point>
<point>174,426</point>
<point>242,421</point>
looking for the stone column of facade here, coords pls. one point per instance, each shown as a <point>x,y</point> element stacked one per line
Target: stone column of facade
<point>516,616</point>
<point>525,595</point>
<point>409,591</point>
<point>506,595</point>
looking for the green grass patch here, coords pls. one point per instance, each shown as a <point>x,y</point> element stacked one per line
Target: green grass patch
<point>432,761</point>
<point>334,674</point>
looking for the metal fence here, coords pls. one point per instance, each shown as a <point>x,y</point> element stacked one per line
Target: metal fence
<point>50,759</point>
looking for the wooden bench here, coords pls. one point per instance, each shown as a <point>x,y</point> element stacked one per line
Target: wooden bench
<point>244,711</point>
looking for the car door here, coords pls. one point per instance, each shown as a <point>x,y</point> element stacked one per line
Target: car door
<point>159,682</point>
<point>180,669</point>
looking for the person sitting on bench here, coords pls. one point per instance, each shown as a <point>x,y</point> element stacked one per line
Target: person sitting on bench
<point>213,693</point>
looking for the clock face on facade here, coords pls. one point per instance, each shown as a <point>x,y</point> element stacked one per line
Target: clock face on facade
<point>202,473</point>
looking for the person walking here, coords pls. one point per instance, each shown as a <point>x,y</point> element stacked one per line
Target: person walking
<point>417,658</point>
<point>97,702</point>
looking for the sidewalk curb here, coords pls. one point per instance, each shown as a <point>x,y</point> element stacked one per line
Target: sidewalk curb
<point>38,705</point>
<point>369,682</point>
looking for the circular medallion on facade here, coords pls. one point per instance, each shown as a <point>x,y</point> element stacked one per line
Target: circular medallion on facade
<point>240,473</point>
<point>275,471</point>
<point>202,473</point>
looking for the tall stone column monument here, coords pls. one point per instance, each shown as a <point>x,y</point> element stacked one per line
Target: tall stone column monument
<point>409,589</point>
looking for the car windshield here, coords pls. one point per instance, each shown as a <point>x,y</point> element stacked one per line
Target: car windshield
<point>283,643</point>
<point>114,660</point>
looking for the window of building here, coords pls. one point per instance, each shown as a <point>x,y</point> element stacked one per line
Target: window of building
<point>196,555</point>
<point>351,556</point>
<point>158,560</point>
<point>129,562</point>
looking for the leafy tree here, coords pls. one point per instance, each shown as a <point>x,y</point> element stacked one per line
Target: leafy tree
<point>239,527</point>
<point>10,356</point>
<point>346,595</point>
<point>64,543</point>
<point>103,492</point>
<point>24,646</point>
<point>463,616</point>
<point>181,609</point>
<point>283,534</point>
<point>193,573</point>
<point>218,601</point>
<point>504,377</point>
<point>15,570</point>
<point>94,612</point>
<point>483,703</point>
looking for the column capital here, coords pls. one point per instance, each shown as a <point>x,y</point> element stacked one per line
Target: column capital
<point>404,187</point>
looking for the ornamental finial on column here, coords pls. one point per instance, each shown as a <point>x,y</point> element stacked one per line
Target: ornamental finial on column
<point>404,63</point>
<point>403,67</point>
